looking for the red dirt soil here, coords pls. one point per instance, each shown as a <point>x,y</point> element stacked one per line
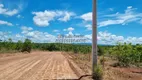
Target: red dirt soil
<point>109,72</point>
<point>37,65</point>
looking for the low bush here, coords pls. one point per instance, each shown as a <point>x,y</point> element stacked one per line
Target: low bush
<point>27,46</point>
<point>102,60</point>
<point>98,73</point>
<point>127,54</point>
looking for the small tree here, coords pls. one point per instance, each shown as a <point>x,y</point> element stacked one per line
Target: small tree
<point>101,51</point>
<point>27,46</point>
<point>9,44</point>
<point>75,50</point>
<point>19,45</point>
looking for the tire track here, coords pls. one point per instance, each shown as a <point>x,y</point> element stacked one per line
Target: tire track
<point>32,73</point>
<point>11,69</point>
<point>16,70</point>
<point>37,66</point>
<point>12,64</point>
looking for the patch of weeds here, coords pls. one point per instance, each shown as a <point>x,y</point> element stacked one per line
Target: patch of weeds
<point>98,73</point>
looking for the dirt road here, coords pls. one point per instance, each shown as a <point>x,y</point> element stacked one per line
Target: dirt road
<point>36,66</point>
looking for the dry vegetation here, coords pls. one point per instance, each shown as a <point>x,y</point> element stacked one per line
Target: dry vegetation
<point>110,72</point>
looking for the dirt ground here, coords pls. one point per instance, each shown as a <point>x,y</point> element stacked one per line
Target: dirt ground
<point>109,72</point>
<point>40,65</point>
<point>37,65</point>
<point>121,73</point>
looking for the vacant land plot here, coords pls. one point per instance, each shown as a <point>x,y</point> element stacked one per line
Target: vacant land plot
<point>37,66</point>
<point>110,72</point>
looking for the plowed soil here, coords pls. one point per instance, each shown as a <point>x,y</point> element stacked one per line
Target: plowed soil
<point>36,66</point>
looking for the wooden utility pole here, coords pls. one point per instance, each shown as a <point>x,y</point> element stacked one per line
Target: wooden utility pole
<point>94,36</point>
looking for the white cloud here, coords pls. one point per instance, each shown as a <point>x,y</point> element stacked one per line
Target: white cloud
<point>70,29</point>
<point>6,11</point>
<point>87,16</point>
<point>26,29</point>
<point>89,27</point>
<point>64,29</point>
<point>11,13</point>
<point>56,31</point>
<point>1,5</point>
<point>19,16</point>
<point>110,22</point>
<point>18,35</point>
<point>37,36</point>
<point>5,23</point>
<point>67,16</point>
<point>4,35</point>
<point>108,38</point>
<point>89,38</point>
<point>129,7</point>
<point>130,15</point>
<point>43,18</point>
<point>112,39</point>
<point>111,9</point>
<point>70,33</point>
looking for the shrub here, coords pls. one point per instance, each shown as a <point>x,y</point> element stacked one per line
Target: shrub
<point>98,73</point>
<point>75,50</point>
<point>19,45</point>
<point>100,51</point>
<point>53,47</point>
<point>102,60</point>
<point>27,46</point>
<point>126,54</point>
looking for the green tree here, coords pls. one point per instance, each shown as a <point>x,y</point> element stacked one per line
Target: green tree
<point>101,51</point>
<point>9,44</point>
<point>27,46</point>
<point>19,45</point>
<point>127,54</point>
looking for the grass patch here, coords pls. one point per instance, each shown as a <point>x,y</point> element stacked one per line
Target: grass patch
<point>98,73</point>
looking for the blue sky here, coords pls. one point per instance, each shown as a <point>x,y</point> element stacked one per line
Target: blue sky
<point>43,20</point>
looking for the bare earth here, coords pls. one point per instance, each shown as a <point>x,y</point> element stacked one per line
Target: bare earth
<point>36,66</point>
<point>109,72</point>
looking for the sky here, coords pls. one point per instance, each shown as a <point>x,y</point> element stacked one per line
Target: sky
<point>43,20</point>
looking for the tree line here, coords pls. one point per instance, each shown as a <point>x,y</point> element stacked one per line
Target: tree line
<point>10,46</point>
<point>28,45</point>
<point>125,54</point>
